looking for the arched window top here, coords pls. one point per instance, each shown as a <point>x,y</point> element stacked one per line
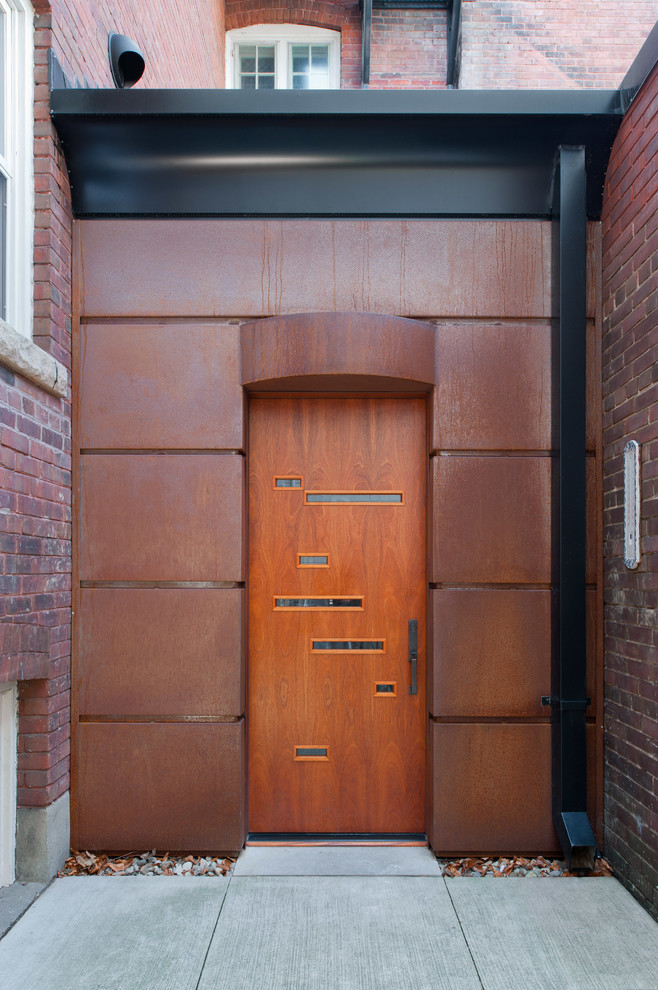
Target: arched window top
<point>282,56</point>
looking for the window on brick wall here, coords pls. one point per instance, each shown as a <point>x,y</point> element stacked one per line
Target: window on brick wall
<point>282,56</point>
<point>16,168</point>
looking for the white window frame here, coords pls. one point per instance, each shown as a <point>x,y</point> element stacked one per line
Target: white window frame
<point>17,162</point>
<point>8,762</point>
<point>282,36</point>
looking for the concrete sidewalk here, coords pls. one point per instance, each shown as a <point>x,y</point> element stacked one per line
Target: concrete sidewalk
<point>269,928</point>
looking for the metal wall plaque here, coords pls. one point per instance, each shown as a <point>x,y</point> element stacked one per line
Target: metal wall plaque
<point>632,504</point>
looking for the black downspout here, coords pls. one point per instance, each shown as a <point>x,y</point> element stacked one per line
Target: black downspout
<point>568,680</point>
<point>366,30</point>
<point>454,40</point>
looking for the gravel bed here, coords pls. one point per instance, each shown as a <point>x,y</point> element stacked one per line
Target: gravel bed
<point>518,866</point>
<point>153,864</point>
<point>148,864</point>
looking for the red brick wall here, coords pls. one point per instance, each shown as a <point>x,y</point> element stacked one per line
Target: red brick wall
<point>551,44</point>
<point>630,404</point>
<point>408,49</point>
<point>183,47</point>
<point>35,578</point>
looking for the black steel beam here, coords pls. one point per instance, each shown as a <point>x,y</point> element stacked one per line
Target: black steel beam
<point>568,699</point>
<point>643,65</point>
<point>366,35</point>
<point>454,40</point>
<point>452,153</point>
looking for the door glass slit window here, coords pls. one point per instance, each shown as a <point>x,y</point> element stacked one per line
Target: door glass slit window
<point>311,752</point>
<point>312,560</point>
<point>348,645</point>
<point>320,603</point>
<point>288,482</point>
<point>365,498</point>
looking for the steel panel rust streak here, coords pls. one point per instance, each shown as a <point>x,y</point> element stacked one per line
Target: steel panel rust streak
<point>255,268</point>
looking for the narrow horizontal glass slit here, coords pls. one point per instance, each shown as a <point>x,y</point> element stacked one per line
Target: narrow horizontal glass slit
<point>348,645</point>
<point>362,498</point>
<point>311,752</point>
<point>386,689</point>
<point>313,560</point>
<point>288,481</point>
<point>341,604</point>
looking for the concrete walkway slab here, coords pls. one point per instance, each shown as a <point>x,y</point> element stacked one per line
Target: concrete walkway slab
<point>15,900</point>
<point>343,933</point>
<point>337,861</point>
<point>114,933</point>
<point>557,934</point>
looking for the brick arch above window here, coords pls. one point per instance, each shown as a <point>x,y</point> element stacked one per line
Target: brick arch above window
<point>344,17</point>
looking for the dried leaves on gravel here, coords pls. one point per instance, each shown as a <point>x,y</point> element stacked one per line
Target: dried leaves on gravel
<point>145,864</point>
<point>518,866</point>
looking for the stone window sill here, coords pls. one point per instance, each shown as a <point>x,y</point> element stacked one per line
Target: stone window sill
<point>30,361</point>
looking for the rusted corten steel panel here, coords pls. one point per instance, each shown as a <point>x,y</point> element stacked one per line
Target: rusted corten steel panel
<point>166,517</point>
<point>503,781</point>
<point>172,786</point>
<point>495,387</point>
<point>331,346</point>
<point>252,268</point>
<point>168,385</point>
<point>492,788</point>
<point>173,651</point>
<point>491,520</point>
<point>492,652</point>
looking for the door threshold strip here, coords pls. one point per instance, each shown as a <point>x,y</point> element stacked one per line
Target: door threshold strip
<point>336,839</point>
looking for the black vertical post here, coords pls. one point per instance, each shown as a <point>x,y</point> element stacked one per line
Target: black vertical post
<point>366,31</point>
<point>454,39</point>
<point>568,699</point>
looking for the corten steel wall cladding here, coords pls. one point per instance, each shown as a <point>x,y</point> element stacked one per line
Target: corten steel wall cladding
<point>630,412</point>
<point>35,456</point>
<point>161,303</point>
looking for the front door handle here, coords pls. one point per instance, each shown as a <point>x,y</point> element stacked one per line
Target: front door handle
<point>413,654</point>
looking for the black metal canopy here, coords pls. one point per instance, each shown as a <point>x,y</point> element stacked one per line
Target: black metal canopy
<point>349,153</point>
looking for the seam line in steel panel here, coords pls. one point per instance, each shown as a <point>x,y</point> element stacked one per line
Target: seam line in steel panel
<point>138,452</point>
<point>168,719</point>
<point>503,586</point>
<point>455,452</point>
<point>493,719</point>
<point>236,320</point>
<point>218,585</point>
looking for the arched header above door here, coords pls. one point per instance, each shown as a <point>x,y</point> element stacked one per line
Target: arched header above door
<point>338,352</point>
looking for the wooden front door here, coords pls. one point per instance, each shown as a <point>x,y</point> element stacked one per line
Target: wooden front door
<point>337,569</point>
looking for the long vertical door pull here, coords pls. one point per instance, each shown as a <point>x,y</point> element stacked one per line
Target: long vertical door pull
<point>413,654</point>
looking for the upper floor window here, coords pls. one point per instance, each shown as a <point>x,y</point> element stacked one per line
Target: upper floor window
<point>16,170</point>
<point>282,56</point>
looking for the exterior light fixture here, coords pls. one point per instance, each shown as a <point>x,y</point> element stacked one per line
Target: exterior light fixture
<point>632,504</point>
<point>126,60</point>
